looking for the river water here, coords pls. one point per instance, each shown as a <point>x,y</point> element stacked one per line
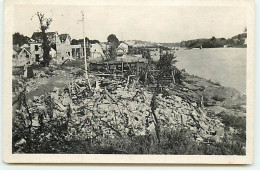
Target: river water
<point>224,65</point>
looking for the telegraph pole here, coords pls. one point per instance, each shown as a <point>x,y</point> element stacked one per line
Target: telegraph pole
<point>85,51</point>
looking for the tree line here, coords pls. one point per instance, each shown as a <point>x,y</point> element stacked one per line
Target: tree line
<point>236,41</point>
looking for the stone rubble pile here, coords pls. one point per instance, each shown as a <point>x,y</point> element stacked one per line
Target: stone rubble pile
<point>119,113</point>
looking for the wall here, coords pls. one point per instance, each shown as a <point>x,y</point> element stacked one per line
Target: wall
<point>35,52</point>
<point>64,50</point>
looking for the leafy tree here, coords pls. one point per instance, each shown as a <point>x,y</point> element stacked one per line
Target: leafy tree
<point>80,41</point>
<point>166,67</point>
<point>74,42</point>
<point>20,39</point>
<point>44,25</point>
<point>93,41</point>
<point>113,44</point>
<point>146,77</point>
<point>213,38</point>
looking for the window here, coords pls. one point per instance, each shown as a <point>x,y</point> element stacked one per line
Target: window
<point>37,57</point>
<point>36,47</point>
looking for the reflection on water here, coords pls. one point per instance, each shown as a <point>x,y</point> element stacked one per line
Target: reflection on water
<point>224,65</point>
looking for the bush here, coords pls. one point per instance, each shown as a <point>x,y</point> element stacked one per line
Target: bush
<point>233,121</point>
<point>166,67</point>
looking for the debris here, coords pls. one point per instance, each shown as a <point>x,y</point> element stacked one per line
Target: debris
<point>20,142</point>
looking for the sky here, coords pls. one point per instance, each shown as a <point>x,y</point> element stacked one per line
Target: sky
<point>147,23</point>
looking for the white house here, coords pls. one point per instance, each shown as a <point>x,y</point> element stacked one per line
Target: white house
<point>36,51</point>
<point>22,57</point>
<point>60,46</point>
<point>122,48</point>
<point>155,53</point>
<point>105,46</point>
<point>96,51</point>
<point>35,44</point>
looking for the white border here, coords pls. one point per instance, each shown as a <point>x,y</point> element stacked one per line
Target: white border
<point>100,158</point>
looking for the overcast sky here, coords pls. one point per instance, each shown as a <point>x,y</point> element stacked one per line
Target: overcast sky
<point>148,23</point>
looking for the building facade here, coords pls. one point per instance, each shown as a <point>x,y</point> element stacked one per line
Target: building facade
<point>22,57</point>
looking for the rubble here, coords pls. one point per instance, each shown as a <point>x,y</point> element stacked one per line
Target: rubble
<point>119,112</point>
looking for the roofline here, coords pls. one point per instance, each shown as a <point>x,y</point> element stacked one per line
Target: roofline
<point>25,50</point>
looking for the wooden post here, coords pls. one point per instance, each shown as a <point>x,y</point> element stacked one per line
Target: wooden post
<point>173,77</point>
<point>122,66</point>
<point>202,102</point>
<point>85,52</point>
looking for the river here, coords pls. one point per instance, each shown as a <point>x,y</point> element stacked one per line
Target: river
<point>224,65</point>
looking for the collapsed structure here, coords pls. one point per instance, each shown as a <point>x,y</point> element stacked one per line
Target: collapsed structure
<point>116,108</point>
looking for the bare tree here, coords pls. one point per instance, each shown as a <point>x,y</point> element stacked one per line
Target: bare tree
<point>44,25</point>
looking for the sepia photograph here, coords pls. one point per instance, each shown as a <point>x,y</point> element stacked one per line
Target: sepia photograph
<point>129,79</point>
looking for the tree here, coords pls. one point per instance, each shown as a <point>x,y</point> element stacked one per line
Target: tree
<point>166,67</point>
<point>147,76</point>
<point>44,25</point>
<point>74,42</point>
<point>213,38</point>
<point>94,41</point>
<point>20,39</point>
<point>113,44</point>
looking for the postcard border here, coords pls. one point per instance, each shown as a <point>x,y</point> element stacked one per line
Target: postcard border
<point>8,157</point>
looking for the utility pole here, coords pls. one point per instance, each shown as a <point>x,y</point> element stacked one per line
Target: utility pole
<point>85,51</point>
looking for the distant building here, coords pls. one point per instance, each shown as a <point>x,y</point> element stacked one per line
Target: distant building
<point>122,48</point>
<point>51,36</point>
<point>105,46</point>
<point>77,51</point>
<point>35,44</point>
<point>63,47</point>
<point>16,51</point>
<point>36,51</point>
<point>21,57</point>
<point>96,51</point>
<point>60,46</point>
<point>154,53</point>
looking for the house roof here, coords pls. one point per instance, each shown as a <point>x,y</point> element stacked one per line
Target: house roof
<point>96,48</point>
<point>37,36</point>
<point>26,49</point>
<point>16,48</point>
<point>25,46</point>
